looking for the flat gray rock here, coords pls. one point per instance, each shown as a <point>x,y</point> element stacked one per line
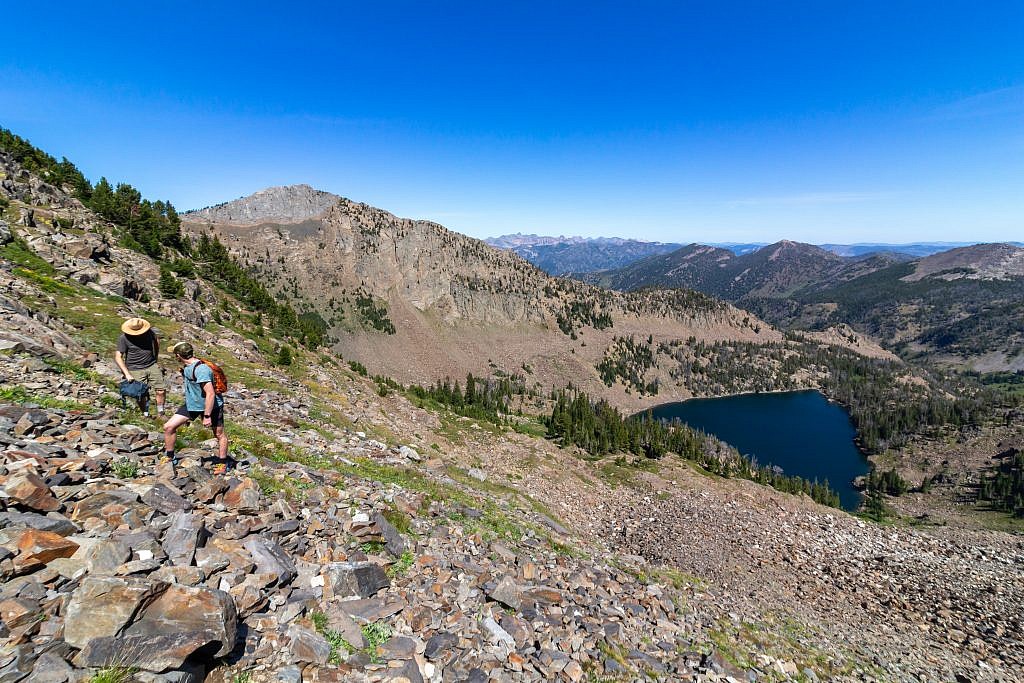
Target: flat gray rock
<point>346,579</point>
<point>270,558</point>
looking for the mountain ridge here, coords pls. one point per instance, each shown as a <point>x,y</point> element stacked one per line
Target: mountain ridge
<point>959,306</point>
<point>572,254</point>
<point>452,300</point>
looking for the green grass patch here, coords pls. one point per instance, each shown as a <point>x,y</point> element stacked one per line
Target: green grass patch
<point>337,642</point>
<point>21,255</point>
<point>72,369</point>
<point>114,674</point>
<point>783,638</point>
<point>401,566</point>
<point>47,283</point>
<point>530,427</point>
<point>372,547</point>
<point>497,489</point>
<point>677,578</point>
<point>259,444</point>
<point>615,653</point>
<point>617,475</point>
<point>376,634</point>
<point>566,549</point>
<point>398,519</point>
<point>21,396</point>
<point>290,487</point>
<point>124,468</point>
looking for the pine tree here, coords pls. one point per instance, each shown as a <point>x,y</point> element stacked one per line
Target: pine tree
<point>169,286</point>
<point>284,355</point>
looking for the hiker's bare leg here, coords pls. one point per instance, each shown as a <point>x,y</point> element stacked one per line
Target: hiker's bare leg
<point>171,429</point>
<point>161,395</point>
<point>222,442</point>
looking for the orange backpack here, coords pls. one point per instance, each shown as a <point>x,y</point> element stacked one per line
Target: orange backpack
<point>220,380</point>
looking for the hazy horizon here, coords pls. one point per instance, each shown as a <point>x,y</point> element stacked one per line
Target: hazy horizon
<point>727,122</point>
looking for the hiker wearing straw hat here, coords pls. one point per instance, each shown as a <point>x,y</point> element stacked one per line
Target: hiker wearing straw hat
<point>138,351</point>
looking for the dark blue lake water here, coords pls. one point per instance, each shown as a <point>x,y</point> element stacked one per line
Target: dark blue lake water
<point>799,431</point>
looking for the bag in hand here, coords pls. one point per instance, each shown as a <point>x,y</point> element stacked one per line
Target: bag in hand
<point>133,389</point>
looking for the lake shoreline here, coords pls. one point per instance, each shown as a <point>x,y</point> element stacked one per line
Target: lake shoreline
<point>802,431</point>
<point>856,440</point>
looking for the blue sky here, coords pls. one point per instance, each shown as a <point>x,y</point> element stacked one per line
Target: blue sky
<point>677,121</point>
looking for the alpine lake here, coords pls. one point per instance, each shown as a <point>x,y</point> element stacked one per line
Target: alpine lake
<point>801,432</point>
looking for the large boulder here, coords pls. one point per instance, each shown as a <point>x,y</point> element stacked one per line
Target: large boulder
<point>154,653</point>
<point>308,646</point>
<point>103,606</point>
<point>190,609</point>
<point>270,558</point>
<point>183,537</point>
<point>244,497</point>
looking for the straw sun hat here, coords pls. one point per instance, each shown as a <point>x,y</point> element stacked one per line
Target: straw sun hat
<point>135,326</point>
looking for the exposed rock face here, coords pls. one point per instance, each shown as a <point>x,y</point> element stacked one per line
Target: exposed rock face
<point>84,255</point>
<point>456,304</point>
<point>291,203</point>
<point>563,256</point>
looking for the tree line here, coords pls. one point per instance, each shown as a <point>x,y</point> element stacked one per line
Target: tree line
<point>489,399</point>
<point>1004,489</point>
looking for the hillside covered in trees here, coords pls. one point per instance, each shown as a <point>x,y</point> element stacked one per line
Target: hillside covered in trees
<point>154,229</point>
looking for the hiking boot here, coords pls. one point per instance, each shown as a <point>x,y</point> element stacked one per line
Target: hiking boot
<point>166,459</point>
<point>220,469</point>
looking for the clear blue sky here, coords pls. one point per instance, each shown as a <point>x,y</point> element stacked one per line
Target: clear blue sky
<point>819,121</point>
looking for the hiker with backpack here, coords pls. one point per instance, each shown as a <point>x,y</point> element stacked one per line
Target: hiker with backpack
<point>137,354</point>
<point>202,399</point>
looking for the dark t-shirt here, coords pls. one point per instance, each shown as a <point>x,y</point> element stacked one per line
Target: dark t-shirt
<point>138,350</point>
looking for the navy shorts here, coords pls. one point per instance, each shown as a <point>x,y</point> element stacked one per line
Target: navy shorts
<point>216,417</point>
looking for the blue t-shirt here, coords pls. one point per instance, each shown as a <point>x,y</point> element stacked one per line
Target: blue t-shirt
<point>195,399</point>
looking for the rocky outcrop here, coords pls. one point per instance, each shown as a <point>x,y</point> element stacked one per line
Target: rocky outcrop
<point>288,204</point>
<point>418,302</point>
<point>978,262</point>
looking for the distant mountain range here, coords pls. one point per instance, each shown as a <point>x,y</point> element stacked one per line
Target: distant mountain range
<point>562,255</point>
<point>961,304</point>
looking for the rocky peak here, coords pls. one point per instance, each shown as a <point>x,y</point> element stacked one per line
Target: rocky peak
<point>284,204</point>
<point>791,249</point>
<point>999,261</point>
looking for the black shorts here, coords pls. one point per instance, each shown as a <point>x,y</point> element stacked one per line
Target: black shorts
<point>216,417</point>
